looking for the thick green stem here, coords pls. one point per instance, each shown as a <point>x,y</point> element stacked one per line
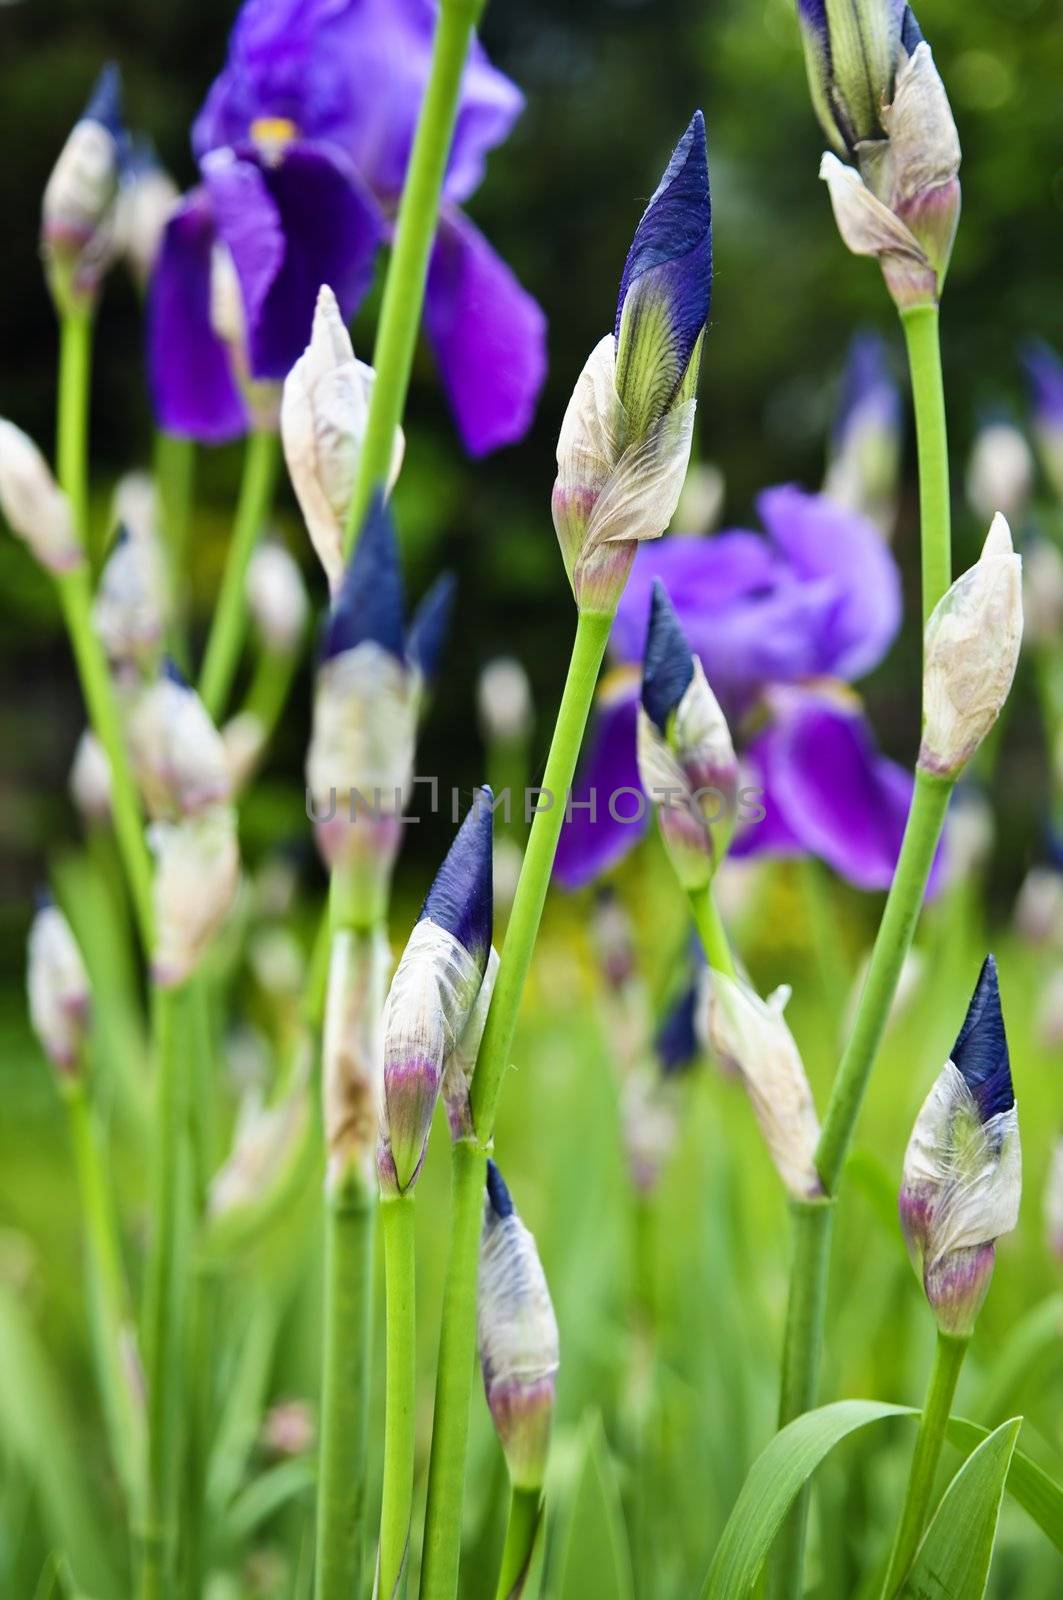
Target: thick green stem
<point>226,637</point>
<point>948,1359</point>
<point>896,930</point>
<point>397,1217</point>
<point>454,1373</point>
<point>163,1292</point>
<point>175,470</point>
<point>711,931</point>
<point>802,1342</point>
<point>72,420</point>
<point>341,1503</point>
<point>116,1334</point>
<point>522,1531</point>
<point>928,397</point>
<point>400,308</point>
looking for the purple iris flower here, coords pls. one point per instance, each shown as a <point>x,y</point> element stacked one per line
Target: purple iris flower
<point>303,142</point>
<point>781,623</point>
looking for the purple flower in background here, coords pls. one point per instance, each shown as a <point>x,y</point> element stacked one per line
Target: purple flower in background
<point>1044,373</point>
<point>309,128</point>
<point>865,446</point>
<point>776,621</point>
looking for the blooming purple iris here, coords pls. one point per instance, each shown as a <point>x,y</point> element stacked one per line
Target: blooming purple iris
<point>781,624</point>
<point>303,143</point>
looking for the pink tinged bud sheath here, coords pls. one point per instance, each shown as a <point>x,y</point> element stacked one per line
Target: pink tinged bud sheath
<point>517,1336</point>
<point>57,986</point>
<point>197,873</point>
<point>78,210</point>
<point>963,1167</point>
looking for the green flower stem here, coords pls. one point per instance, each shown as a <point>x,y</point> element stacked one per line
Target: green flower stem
<point>403,297</point>
<point>454,1374</point>
<point>522,1532</point>
<point>711,931</point>
<point>163,1292</point>
<point>812,1223</point>
<point>446,1472</point>
<point>116,1335</point>
<point>397,1217</point>
<point>350,1215</point>
<point>72,420</point>
<point>948,1359</point>
<point>222,655</point>
<point>928,396</point>
<point>175,471</point>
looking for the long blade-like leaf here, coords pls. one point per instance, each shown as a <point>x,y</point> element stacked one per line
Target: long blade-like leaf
<point>1028,1484</point>
<point>596,1558</point>
<point>957,1549</point>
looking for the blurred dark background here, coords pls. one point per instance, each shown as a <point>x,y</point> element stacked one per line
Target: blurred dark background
<point>609,88</point>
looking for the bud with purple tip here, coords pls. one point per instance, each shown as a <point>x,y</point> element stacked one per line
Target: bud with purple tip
<point>865,447</point>
<point>35,507</point>
<point>686,759</point>
<point>429,628</point>
<point>147,198</point>
<point>78,209</point>
<point>625,440</point>
<point>178,755</point>
<point>963,1167</point>
<point>277,598</point>
<point>197,874</point>
<point>434,993</point>
<point>517,1337</point>
<point>57,986</point>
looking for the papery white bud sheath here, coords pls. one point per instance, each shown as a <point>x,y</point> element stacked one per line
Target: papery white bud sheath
<point>78,207</point>
<point>36,508</point>
<point>146,201</point>
<point>135,507</point>
<point>179,757</point>
<point>353,1054</point>
<point>1042,593</point>
<point>57,986</point>
<point>971,650</point>
<point>277,598</point>
<point>750,1038</point>
<point>460,1064</point>
<point>90,779</point>
<point>197,873</point>
<point>517,1337</point>
<point>504,699</point>
<point>1000,473</point>
<point>130,607</point>
<point>324,410</point>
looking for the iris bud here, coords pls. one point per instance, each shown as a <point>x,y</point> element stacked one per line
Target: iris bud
<point>517,1336</point>
<point>244,737</point>
<point>266,1142</point>
<point>1000,472</point>
<point>460,1064</point>
<point>90,779</point>
<point>865,448</point>
<point>504,700</point>
<point>1044,373</point>
<point>433,995</point>
<point>1042,592</point>
<point>971,650</point>
<point>324,411</point>
<point>429,628</point>
<point>131,603</point>
<point>36,508</point>
<point>963,1167</point>
<point>58,987</point>
<point>277,598</point>
<point>687,762</point>
<point>197,873</point>
<point>78,209</point>
<point>178,755</point>
<point>147,198</point>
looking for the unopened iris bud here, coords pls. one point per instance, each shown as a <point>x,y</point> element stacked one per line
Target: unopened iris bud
<point>178,755</point>
<point>1042,593</point>
<point>78,210</point>
<point>324,411</point>
<point>353,1054</point>
<point>35,507</point>
<point>277,598</point>
<point>1054,1201</point>
<point>625,440</point>
<point>504,699</point>
<point>197,873</point>
<point>429,628</point>
<point>90,779</point>
<point>1044,372</point>
<point>433,995</point>
<point>865,448</point>
<point>971,650</point>
<point>147,197</point>
<point>851,49</point>
<point>360,762</point>
<point>517,1336</point>
<point>1039,907</point>
<point>963,1167</point>
<point>57,985</point>
<point>131,603</point>
<point>750,1039</point>
<point>460,1064</point>
<point>1000,472</point>
<point>687,762</point>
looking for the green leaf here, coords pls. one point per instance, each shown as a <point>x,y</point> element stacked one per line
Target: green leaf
<point>596,1558</point>
<point>1032,1348</point>
<point>773,1483</point>
<point>952,1563</point>
<point>1031,1487</point>
<point>266,1494</point>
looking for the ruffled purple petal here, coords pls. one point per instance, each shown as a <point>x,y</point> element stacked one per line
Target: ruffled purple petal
<point>489,336</point>
<point>587,847</point>
<point>192,385</point>
<point>249,224</point>
<point>822,541</point>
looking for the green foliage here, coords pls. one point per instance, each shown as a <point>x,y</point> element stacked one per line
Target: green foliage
<point>957,1548</point>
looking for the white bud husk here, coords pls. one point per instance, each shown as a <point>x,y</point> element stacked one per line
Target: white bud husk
<point>1000,473</point>
<point>130,608</point>
<point>365,727</point>
<point>460,1064</point>
<point>612,491</point>
<point>277,598</point>
<point>971,650</point>
<point>1042,593</point>
<point>244,737</point>
<point>178,755</point>
<point>691,777</point>
<point>750,1038</point>
<point>353,1053</point>
<point>505,701</point>
<point>869,228</point>
<point>197,873</point>
<point>57,986</point>
<point>324,410</point>
<point>135,507</point>
<point>518,1343</point>
<point>78,212</point>
<point>146,201</point>
<point>90,779</point>
<point>36,508</point>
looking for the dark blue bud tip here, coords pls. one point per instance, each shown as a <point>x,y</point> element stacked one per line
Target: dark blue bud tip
<point>43,899</point>
<point>981,1051</point>
<point>676,233</point>
<point>430,626</point>
<point>105,101</point>
<point>172,672</point>
<point>498,1195</point>
<point>668,665</point>
<point>369,603</point>
<point>677,1040</point>
<point>462,897</point>
<point>911,32</point>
